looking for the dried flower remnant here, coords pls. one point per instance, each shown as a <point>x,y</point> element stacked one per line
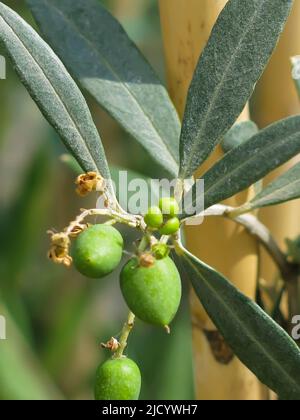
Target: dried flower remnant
<point>77,229</point>
<point>146,260</point>
<point>91,181</point>
<point>59,251</point>
<point>112,345</point>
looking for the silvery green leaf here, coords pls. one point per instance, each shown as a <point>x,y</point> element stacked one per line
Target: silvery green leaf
<point>284,188</point>
<point>261,344</point>
<point>238,134</point>
<point>99,54</point>
<point>249,162</point>
<point>240,45</point>
<point>53,89</point>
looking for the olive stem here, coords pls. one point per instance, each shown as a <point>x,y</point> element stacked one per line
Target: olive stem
<point>130,220</point>
<point>145,241</point>
<point>124,335</point>
<point>164,239</point>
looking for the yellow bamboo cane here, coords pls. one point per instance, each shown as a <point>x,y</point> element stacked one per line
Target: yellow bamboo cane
<point>186,26</point>
<point>276,98</point>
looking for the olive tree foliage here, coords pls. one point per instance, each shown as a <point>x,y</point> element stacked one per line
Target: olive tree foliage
<point>82,41</point>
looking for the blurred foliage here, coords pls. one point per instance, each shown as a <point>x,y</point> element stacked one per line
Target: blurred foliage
<point>56,319</point>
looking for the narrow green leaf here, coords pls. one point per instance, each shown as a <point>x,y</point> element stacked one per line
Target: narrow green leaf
<point>236,54</point>
<point>238,134</point>
<point>24,220</point>
<point>177,352</point>
<point>61,338</point>
<point>110,67</point>
<point>284,188</point>
<point>250,161</point>
<point>71,163</point>
<point>263,346</point>
<point>21,375</point>
<point>53,89</point>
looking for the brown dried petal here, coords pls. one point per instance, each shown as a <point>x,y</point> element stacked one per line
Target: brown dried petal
<point>91,181</point>
<point>112,344</point>
<point>77,229</point>
<point>146,260</point>
<point>59,251</point>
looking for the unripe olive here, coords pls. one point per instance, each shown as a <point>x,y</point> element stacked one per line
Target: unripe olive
<point>169,206</point>
<point>152,293</point>
<point>118,379</point>
<point>98,251</point>
<point>154,217</point>
<point>170,227</point>
<point>160,251</point>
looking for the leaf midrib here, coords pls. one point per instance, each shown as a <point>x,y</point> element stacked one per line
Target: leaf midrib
<point>117,77</point>
<point>53,88</point>
<point>228,308</point>
<point>217,91</point>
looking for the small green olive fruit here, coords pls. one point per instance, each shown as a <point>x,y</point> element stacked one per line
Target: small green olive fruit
<point>169,206</point>
<point>170,227</point>
<point>98,251</point>
<point>154,217</point>
<point>118,379</point>
<point>160,251</point>
<point>152,293</point>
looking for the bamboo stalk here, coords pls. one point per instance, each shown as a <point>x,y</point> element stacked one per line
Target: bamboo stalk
<point>218,375</point>
<point>276,98</point>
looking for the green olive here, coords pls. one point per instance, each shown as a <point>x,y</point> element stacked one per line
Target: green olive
<point>118,379</point>
<point>160,251</point>
<point>154,217</point>
<point>98,251</point>
<point>169,206</point>
<point>152,293</point>
<point>170,227</point>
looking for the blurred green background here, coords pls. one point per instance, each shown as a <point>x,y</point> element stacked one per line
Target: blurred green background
<point>56,319</point>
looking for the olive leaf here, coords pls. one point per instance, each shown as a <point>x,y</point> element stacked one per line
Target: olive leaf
<point>100,55</point>
<point>22,376</point>
<point>53,89</point>
<point>237,52</point>
<point>284,188</point>
<point>249,162</point>
<point>71,163</point>
<point>261,344</point>
<point>22,222</point>
<point>238,134</point>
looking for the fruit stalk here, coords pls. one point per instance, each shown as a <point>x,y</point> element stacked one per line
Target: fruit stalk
<point>127,327</point>
<point>125,218</point>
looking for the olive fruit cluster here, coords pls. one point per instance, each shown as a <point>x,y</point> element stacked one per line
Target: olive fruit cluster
<point>152,292</point>
<point>149,281</point>
<point>164,217</point>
